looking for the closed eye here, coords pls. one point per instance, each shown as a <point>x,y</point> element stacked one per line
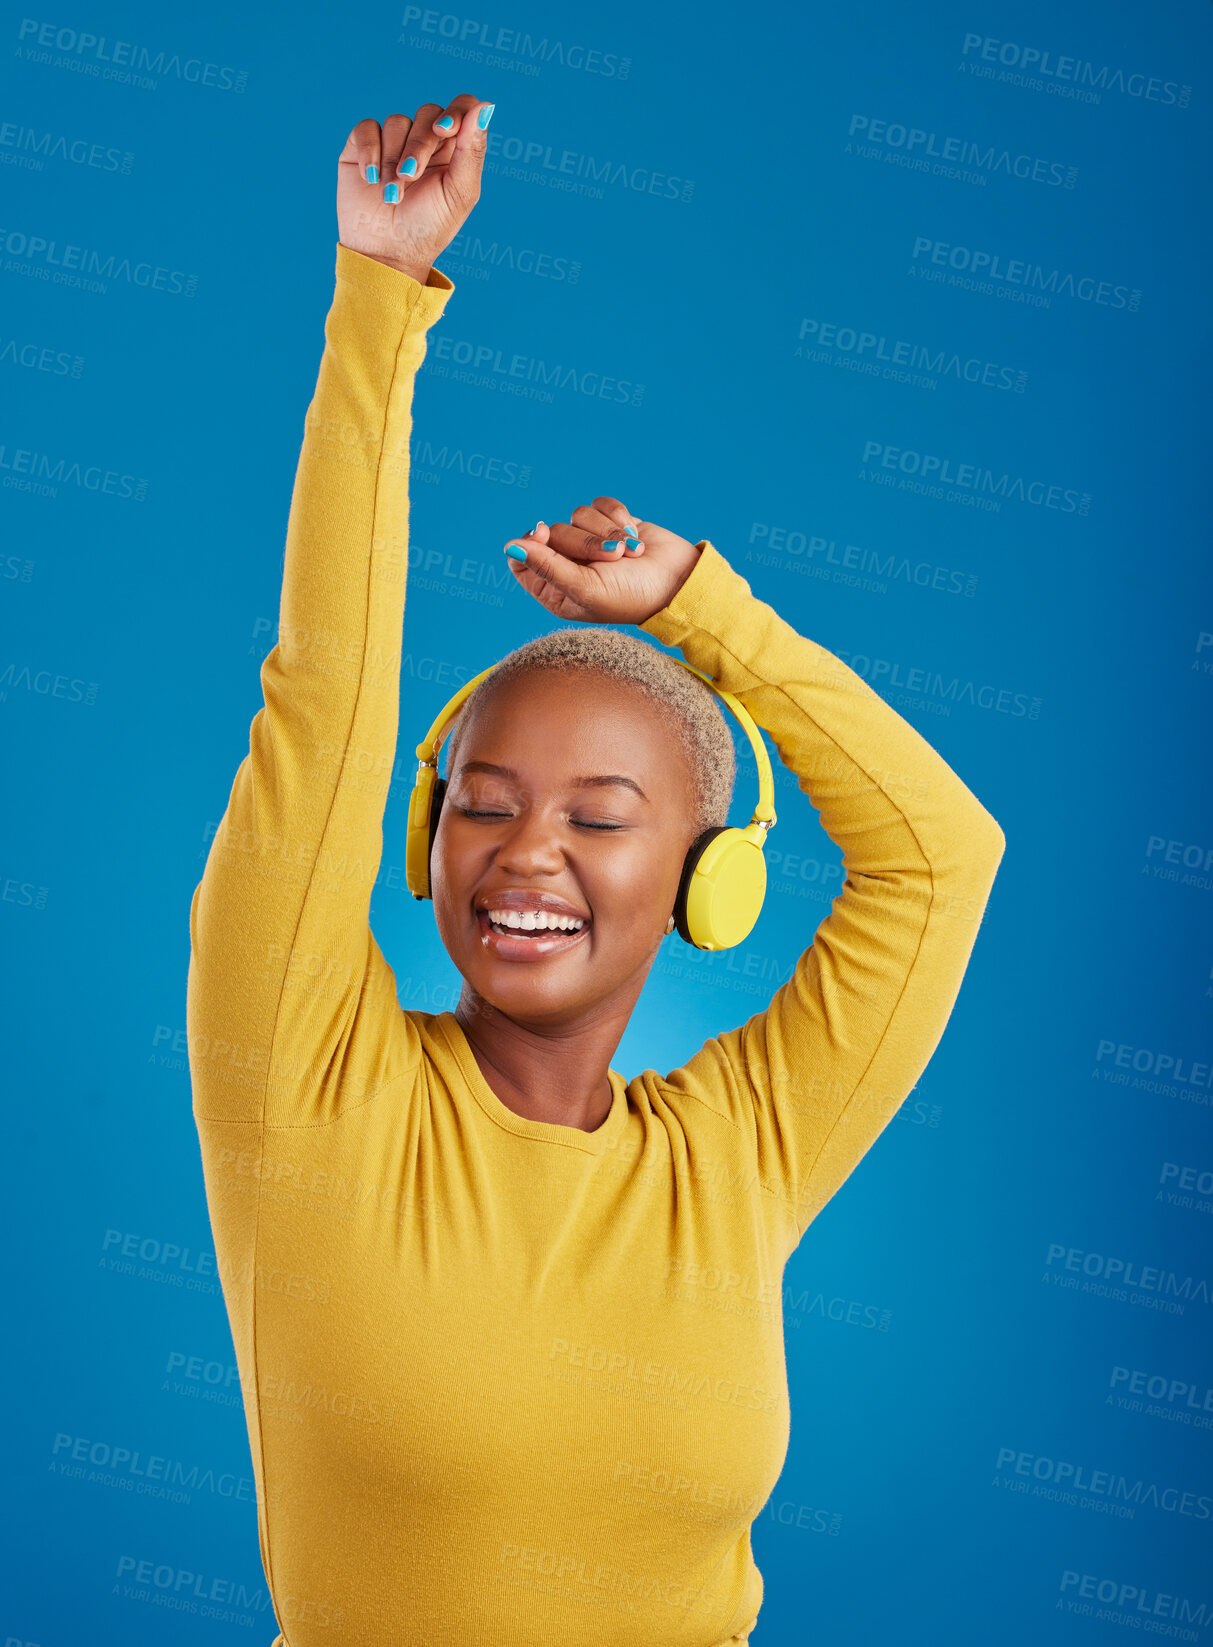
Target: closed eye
<point>582,823</point>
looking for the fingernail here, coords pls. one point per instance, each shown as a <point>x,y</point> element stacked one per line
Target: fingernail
<point>631,545</point>
<point>536,527</point>
<point>372,174</point>
<point>515,551</point>
<point>611,545</point>
<point>391,193</point>
<point>485,115</point>
<point>409,169</point>
<point>445,124</point>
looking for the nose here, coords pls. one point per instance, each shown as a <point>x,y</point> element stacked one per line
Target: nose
<point>530,845</point>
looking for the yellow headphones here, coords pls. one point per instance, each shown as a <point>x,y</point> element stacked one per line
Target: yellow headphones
<point>724,875</point>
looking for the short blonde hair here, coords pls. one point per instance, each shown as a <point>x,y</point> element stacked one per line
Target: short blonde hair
<point>695,713</point>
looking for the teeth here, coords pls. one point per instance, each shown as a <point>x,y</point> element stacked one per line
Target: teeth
<point>531,920</point>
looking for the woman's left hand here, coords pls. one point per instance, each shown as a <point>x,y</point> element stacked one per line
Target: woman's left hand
<point>570,569</point>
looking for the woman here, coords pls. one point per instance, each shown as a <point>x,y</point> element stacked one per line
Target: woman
<point>470,1268</point>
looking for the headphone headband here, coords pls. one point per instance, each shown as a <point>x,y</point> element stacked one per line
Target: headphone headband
<point>764,812</point>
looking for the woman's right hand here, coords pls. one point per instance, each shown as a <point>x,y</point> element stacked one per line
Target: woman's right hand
<point>569,569</point>
<point>432,204</point>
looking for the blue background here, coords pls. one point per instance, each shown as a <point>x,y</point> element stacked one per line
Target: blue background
<point>1034,1154</point>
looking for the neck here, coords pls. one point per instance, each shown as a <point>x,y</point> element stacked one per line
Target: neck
<point>553,1073</point>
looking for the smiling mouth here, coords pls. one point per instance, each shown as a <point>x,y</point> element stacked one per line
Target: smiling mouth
<point>517,943</point>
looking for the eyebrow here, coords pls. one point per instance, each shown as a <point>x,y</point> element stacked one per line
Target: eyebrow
<point>595,781</point>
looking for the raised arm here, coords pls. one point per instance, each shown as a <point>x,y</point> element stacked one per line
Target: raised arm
<point>816,1077</point>
<point>292,1011</point>
<point>807,1085</point>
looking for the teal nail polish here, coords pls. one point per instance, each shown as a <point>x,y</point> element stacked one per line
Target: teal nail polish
<point>611,545</point>
<point>631,545</point>
<point>372,174</point>
<point>410,166</point>
<point>445,124</point>
<point>485,115</point>
<point>391,193</point>
<point>515,551</point>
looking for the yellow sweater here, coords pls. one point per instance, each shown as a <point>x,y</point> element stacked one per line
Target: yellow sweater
<point>492,1394</point>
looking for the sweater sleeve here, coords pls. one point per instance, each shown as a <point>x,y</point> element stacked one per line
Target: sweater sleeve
<point>812,1081</point>
<point>292,1014</point>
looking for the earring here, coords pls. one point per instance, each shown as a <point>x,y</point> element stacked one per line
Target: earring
<point>669,925</point>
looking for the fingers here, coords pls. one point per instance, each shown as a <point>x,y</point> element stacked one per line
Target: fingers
<point>592,535</point>
<point>540,568</point>
<point>595,535</point>
<point>559,564</point>
<point>432,129</point>
<point>362,149</point>
<point>398,153</point>
<point>537,535</point>
<point>400,149</point>
<point>455,119</point>
<point>465,161</point>
<point>618,514</point>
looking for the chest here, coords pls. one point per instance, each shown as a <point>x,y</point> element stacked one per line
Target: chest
<point>503,1311</point>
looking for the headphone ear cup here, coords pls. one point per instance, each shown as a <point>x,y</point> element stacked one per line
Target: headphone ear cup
<point>725,889</point>
<point>435,809</point>
<point>417,834</point>
<point>689,865</point>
